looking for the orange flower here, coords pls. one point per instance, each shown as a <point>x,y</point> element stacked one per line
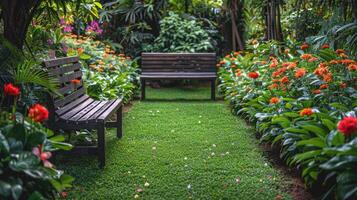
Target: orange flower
<point>306,56</point>
<point>343,85</point>
<point>328,77</point>
<point>316,91</point>
<point>340,51</point>
<point>274,63</point>
<point>325,46</point>
<point>76,81</point>
<point>238,72</point>
<point>304,46</point>
<point>323,86</point>
<point>233,66</point>
<point>333,62</point>
<point>313,59</point>
<point>300,73</point>
<point>352,67</point>
<point>286,51</point>
<point>80,50</point>
<point>306,112</point>
<point>347,62</point>
<point>273,86</point>
<point>274,100</point>
<point>284,80</point>
<point>236,53</point>
<point>222,62</point>
<point>263,62</point>
<point>218,65</point>
<point>321,70</point>
<point>289,65</point>
<point>253,75</point>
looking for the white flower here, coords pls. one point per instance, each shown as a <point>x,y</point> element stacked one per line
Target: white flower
<point>136,196</point>
<point>185,158</point>
<point>189,186</point>
<point>227,152</point>
<point>212,154</point>
<point>199,122</point>
<point>153,148</point>
<point>265,164</point>
<point>213,145</point>
<point>147,184</point>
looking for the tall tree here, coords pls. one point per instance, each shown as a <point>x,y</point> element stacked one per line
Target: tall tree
<point>17,16</point>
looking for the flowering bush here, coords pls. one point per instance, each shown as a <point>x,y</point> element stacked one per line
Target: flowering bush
<point>25,149</point>
<point>303,102</point>
<point>107,75</point>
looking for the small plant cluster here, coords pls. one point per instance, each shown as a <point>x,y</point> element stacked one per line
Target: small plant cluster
<point>25,152</point>
<point>304,103</point>
<point>107,75</point>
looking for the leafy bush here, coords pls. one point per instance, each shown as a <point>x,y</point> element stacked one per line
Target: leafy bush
<point>300,101</point>
<point>107,75</point>
<point>181,35</point>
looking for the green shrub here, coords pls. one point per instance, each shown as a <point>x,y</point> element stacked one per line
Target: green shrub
<point>181,35</point>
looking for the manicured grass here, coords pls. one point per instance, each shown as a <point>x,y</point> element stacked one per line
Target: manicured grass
<point>183,150</point>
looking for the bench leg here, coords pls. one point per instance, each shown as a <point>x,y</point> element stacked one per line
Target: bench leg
<point>119,123</point>
<point>101,146</point>
<point>143,83</point>
<point>213,89</point>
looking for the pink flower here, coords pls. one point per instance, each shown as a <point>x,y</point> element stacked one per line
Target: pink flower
<point>44,156</point>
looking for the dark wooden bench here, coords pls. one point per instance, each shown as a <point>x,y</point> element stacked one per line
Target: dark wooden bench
<point>77,111</point>
<point>176,66</point>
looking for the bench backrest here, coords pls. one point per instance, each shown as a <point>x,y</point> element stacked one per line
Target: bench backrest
<point>66,70</point>
<point>178,62</point>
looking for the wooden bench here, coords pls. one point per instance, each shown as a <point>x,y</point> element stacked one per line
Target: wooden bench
<point>178,66</point>
<point>76,111</point>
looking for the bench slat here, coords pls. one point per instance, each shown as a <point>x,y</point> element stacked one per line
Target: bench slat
<point>72,105</point>
<point>68,77</point>
<point>77,109</point>
<point>109,111</point>
<point>67,99</point>
<point>97,108</point>
<point>60,61</point>
<point>62,70</point>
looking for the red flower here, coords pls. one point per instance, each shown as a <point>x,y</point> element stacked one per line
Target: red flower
<point>306,112</point>
<point>64,194</point>
<point>325,46</point>
<point>44,156</point>
<point>306,56</point>
<point>11,90</point>
<point>300,72</point>
<point>253,75</point>
<point>347,126</point>
<point>316,91</point>
<point>340,51</point>
<point>274,100</point>
<point>304,46</point>
<point>238,72</point>
<point>76,81</point>
<point>323,86</point>
<point>285,79</point>
<point>38,113</point>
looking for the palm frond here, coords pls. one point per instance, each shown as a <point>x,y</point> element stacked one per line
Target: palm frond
<point>30,72</point>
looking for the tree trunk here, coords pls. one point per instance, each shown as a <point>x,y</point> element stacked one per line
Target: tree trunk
<point>273,21</point>
<point>17,16</point>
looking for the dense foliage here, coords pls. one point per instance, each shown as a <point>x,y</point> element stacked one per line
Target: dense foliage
<point>181,35</point>
<point>304,102</point>
<point>25,151</point>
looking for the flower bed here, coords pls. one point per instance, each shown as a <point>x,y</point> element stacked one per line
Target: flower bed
<point>303,102</point>
<point>107,75</point>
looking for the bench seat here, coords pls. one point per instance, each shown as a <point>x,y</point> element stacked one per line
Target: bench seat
<point>178,75</point>
<point>86,110</point>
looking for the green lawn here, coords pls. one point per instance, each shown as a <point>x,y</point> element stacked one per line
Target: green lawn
<point>181,150</point>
